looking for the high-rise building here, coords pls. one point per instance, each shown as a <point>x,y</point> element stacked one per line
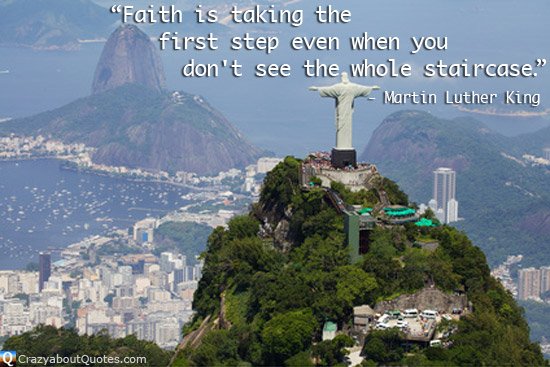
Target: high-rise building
<point>547,154</point>
<point>44,269</point>
<point>179,277</point>
<point>189,274</point>
<point>144,230</point>
<point>166,262</point>
<point>127,275</point>
<point>545,279</point>
<point>444,200</point>
<point>452,211</point>
<point>529,283</point>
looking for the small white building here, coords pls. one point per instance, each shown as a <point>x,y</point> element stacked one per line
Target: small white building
<point>329,330</point>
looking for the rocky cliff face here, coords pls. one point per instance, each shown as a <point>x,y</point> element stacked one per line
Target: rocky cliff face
<point>128,57</point>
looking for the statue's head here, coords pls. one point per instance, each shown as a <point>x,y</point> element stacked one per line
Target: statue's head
<point>345,78</point>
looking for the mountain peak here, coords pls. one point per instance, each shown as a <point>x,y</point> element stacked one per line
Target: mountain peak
<point>128,57</point>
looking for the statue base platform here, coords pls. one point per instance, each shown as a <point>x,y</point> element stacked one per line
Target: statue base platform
<point>342,158</point>
<point>319,165</point>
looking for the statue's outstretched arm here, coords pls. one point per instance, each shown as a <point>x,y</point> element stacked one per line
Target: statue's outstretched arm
<point>331,91</point>
<point>365,91</point>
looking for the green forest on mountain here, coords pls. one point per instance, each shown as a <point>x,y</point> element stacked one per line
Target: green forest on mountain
<point>273,300</point>
<point>263,301</point>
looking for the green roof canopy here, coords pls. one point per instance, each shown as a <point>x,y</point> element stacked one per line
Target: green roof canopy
<point>425,222</point>
<point>399,212</point>
<point>365,211</point>
<point>330,326</point>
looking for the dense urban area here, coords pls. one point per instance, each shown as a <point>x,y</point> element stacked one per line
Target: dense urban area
<point>123,281</point>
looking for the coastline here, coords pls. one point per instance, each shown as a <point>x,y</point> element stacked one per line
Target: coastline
<point>69,165</point>
<point>204,198</point>
<point>67,47</point>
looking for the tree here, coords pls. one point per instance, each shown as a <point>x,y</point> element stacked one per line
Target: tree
<point>48,341</point>
<point>243,226</point>
<point>332,352</point>
<point>384,346</point>
<point>382,244</point>
<point>217,347</point>
<point>287,334</point>
<point>375,350</point>
<point>387,272</point>
<point>280,185</point>
<point>302,359</point>
<point>395,195</point>
<point>318,253</point>
<point>280,291</point>
<point>354,286</point>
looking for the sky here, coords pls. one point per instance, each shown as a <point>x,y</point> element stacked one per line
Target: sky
<point>280,114</point>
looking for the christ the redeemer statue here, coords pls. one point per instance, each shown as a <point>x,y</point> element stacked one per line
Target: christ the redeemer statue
<point>344,93</point>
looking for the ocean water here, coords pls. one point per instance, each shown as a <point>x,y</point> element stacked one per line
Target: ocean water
<point>43,206</point>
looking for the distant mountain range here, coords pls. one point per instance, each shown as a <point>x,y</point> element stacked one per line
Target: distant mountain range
<point>188,5</point>
<point>52,24</point>
<point>64,24</point>
<point>504,199</point>
<point>133,121</point>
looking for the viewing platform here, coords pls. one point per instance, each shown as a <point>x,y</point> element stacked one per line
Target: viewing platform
<point>397,214</point>
<point>320,165</point>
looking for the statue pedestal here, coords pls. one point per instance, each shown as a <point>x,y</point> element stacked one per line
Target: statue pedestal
<point>342,158</point>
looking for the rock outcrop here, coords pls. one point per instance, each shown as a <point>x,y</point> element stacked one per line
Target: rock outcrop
<point>426,299</point>
<point>128,57</point>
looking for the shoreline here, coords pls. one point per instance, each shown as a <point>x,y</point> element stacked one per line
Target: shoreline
<point>168,214</point>
<point>65,243</point>
<point>67,164</point>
